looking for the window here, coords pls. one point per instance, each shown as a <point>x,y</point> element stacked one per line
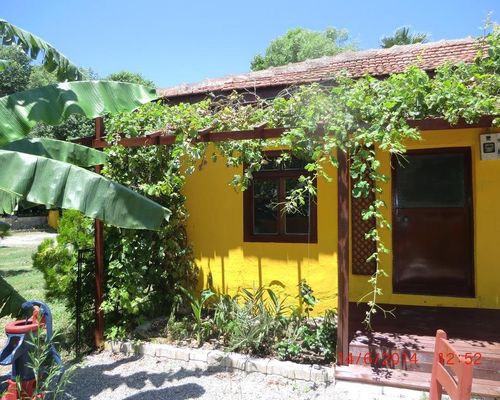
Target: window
<point>264,216</point>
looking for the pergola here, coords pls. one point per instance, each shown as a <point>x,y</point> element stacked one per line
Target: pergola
<point>261,132</point>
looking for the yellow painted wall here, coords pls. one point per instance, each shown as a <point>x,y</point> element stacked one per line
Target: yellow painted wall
<point>215,230</point>
<point>486,203</point>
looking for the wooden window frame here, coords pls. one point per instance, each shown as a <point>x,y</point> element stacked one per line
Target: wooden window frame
<point>280,237</point>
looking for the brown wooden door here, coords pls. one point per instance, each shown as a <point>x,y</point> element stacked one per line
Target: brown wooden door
<point>432,223</point>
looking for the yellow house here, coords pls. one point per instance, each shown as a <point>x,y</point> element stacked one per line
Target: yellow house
<point>443,205</point>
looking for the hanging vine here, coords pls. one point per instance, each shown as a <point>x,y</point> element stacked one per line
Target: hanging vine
<point>361,117</point>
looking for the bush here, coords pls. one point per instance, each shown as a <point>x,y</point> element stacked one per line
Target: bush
<point>144,269</point>
<point>56,258</point>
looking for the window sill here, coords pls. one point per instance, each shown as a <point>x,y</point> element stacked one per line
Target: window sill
<point>280,239</point>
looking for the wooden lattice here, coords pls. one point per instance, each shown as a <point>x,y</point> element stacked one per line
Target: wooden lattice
<point>361,247</point>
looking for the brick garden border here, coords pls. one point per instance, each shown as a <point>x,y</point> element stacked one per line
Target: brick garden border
<point>229,361</point>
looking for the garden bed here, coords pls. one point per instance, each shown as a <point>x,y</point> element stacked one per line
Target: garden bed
<point>205,358</point>
<point>254,322</point>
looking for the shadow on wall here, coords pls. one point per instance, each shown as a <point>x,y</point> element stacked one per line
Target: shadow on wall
<point>215,230</point>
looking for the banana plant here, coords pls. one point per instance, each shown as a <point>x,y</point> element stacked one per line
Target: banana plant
<point>52,104</point>
<point>53,60</point>
<point>54,173</point>
<point>50,172</point>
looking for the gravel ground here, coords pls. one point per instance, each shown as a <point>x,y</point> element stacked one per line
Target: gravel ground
<point>112,377</point>
<point>106,376</point>
<point>26,238</point>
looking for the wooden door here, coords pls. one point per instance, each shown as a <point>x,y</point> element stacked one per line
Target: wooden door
<point>433,223</point>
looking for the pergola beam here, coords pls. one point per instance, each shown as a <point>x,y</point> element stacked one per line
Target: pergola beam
<point>161,138</point>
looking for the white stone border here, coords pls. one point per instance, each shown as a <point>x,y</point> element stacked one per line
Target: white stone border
<point>230,361</point>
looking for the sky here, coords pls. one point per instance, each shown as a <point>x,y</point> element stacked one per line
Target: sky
<point>174,42</point>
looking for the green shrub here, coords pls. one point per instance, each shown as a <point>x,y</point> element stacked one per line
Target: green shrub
<point>143,268</point>
<point>56,258</point>
<point>224,312</point>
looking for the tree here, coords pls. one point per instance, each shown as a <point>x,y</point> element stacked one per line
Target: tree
<point>54,173</point>
<point>16,74</point>
<point>402,36</point>
<point>41,77</point>
<point>301,44</point>
<point>130,77</point>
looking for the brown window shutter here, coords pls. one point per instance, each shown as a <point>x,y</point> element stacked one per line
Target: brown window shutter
<point>362,248</point>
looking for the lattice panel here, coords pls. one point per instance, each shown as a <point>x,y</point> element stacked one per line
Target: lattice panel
<point>361,247</point>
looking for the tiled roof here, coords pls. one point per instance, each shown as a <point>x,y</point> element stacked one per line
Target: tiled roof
<point>375,62</point>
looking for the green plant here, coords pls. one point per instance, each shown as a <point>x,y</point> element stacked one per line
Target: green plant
<point>50,378</point>
<point>56,258</point>
<point>310,340</point>
<point>287,349</point>
<point>326,336</point>
<point>197,304</point>
<point>252,331</point>
<point>306,296</point>
<point>258,321</point>
<point>143,270</point>
<point>224,311</point>
<point>178,329</point>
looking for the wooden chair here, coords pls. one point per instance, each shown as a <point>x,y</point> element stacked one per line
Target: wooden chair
<point>457,386</point>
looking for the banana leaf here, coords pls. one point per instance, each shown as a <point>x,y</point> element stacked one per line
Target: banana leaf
<point>57,184</point>
<point>72,153</point>
<point>53,60</point>
<point>10,300</point>
<point>9,201</point>
<point>52,104</point>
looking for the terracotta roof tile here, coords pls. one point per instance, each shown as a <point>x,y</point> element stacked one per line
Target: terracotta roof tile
<point>376,62</point>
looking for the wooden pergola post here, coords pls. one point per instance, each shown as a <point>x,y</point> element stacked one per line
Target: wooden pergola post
<point>343,258</point>
<point>99,259</point>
